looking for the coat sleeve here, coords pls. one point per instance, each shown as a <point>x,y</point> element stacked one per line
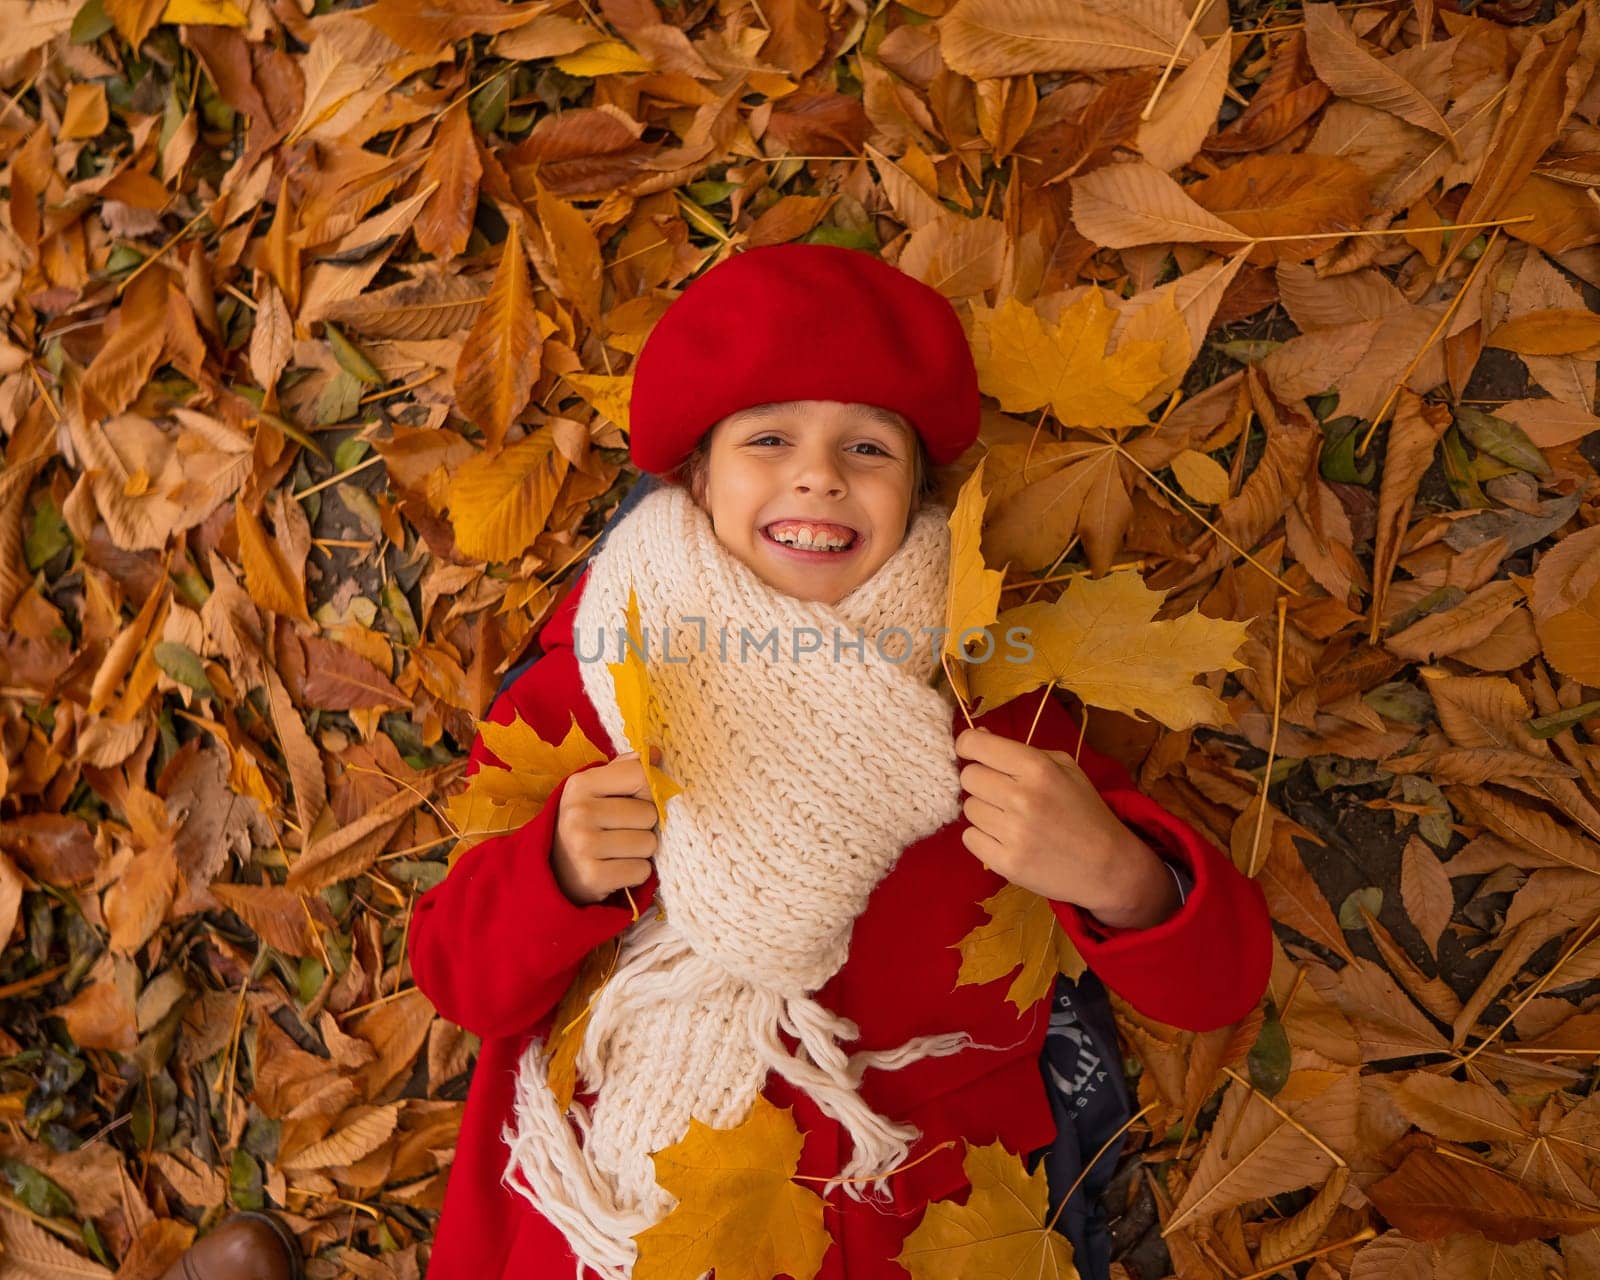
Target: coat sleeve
<point>497,943</point>
<point>1206,965</point>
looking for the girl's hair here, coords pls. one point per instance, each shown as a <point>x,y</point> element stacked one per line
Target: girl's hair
<point>924,483</point>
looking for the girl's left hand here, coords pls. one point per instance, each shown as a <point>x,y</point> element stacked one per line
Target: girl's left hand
<point>1038,821</point>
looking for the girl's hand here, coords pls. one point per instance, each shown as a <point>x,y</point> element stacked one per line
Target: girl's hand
<point>1038,821</point>
<point>605,830</point>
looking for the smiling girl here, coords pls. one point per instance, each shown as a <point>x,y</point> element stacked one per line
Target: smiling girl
<point>800,907</point>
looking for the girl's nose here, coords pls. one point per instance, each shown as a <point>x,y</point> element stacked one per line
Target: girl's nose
<point>818,470</point>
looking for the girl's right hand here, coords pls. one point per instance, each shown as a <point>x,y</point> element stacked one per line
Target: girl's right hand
<point>605,830</point>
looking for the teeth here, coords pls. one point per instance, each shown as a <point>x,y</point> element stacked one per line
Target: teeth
<point>812,539</point>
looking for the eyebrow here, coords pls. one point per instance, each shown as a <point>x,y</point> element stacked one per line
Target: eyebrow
<point>881,417</point>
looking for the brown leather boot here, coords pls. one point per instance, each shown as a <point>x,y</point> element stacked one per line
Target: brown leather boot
<point>246,1246</point>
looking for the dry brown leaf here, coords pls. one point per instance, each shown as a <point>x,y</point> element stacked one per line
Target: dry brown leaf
<point>1425,887</point>
<point>1257,1148</point>
<point>985,38</point>
<point>1123,205</point>
<point>445,223</point>
<point>1431,1196</point>
<point>1187,111</point>
<point>1347,67</point>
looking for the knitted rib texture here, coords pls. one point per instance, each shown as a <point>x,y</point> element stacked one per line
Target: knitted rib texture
<point>804,777</point>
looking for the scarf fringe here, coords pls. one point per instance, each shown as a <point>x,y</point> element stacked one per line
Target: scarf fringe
<point>551,1168</point>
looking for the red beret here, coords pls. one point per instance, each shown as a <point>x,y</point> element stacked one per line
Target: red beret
<point>802,322</point>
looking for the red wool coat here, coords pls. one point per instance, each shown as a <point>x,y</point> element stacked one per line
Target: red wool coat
<point>496,944</point>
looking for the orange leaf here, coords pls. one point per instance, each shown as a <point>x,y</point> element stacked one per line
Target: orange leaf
<point>499,502</point>
<point>271,583</point>
<point>499,361</point>
<point>445,223</point>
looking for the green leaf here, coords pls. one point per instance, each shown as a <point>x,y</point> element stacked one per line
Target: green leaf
<point>182,664</point>
<point>359,503</point>
<point>1248,350</point>
<point>1560,721</point>
<point>244,1181</point>
<point>1400,700</point>
<point>90,23</point>
<point>351,358</point>
<point>1338,462</point>
<point>423,875</point>
<point>709,192</point>
<point>47,537</point>
<point>37,1192</point>
<point>1458,471</point>
<point>339,399</point>
<point>310,978</point>
<point>95,1245</point>
<point>394,600</point>
<point>1350,909</point>
<point>487,107</point>
<point>122,258</point>
<point>349,452</point>
<point>1269,1057</point>
<point>1501,439</point>
<point>845,239</point>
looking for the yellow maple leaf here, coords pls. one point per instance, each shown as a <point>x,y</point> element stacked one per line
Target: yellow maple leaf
<point>1022,930</point>
<point>522,749</point>
<point>1099,639</point>
<point>497,799</point>
<point>974,587</point>
<point>1002,1231</point>
<point>572,1016</point>
<point>737,1210</point>
<point>641,714</point>
<point>1026,363</point>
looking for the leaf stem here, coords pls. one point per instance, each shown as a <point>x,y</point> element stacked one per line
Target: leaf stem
<point>1104,1147</point>
<point>1366,1233</point>
<point>1044,696</point>
<point>1172,61</point>
<point>1535,989</point>
<point>1449,313</point>
<point>343,475</point>
<point>1177,497</point>
<point>944,661</point>
<point>1272,745</point>
<point>899,1168</point>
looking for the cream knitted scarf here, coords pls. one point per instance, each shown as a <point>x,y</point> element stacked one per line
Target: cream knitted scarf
<point>802,782</point>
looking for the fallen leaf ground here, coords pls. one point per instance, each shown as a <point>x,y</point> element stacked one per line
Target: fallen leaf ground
<point>278,510</point>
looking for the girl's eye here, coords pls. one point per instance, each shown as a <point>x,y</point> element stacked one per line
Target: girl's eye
<point>761,440</point>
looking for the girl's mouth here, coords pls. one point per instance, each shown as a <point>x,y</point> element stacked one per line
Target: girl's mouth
<point>812,555</point>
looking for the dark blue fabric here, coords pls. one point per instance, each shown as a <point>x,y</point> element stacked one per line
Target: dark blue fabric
<point>1082,1068</point>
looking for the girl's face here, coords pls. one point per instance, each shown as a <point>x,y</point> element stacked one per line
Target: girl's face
<point>835,468</point>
